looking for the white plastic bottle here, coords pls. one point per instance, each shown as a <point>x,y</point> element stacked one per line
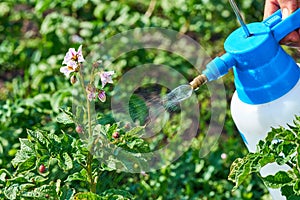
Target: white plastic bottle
<point>266,81</point>
<point>255,121</point>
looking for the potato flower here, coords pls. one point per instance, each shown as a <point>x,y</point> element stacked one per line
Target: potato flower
<point>71,66</point>
<point>106,77</point>
<point>72,60</point>
<point>74,55</point>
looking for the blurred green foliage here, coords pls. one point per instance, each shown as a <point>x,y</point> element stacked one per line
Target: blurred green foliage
<point>33,31</point>
<point>35,34</point>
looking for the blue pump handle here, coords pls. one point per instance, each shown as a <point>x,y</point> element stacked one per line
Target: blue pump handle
<point>281,28</point>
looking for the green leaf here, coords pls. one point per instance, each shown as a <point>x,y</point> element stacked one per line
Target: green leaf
<point>293,197</point>
<point>67,142</point>
<point>12,191</point>
<point>135,143</point>
<point>138,109</point>
<point>298,158</point>
<point>26,186</point>
<point>280,146</point>
<point>287,191</point>
<point>265,160</point>
<point>65,161</point>
<point>78,176</point>
<point>271,134</point>
<point>134,131</point>
<point>27,164</point>
<point>40,179</point>
<point>87,196</point>
<point>26,146</point>
<point>41,136</point>
<point>67,193</point>
<point>4,7</point>
<point>77,4</point>
<point>279,180</point>
<point>4,174</point>
<point>111,130</point>
<point>63,118</point>
<point>19,179</point>
<point>116,194</point>
<point>235,169</point>
<point>43,192</point>
<point>296,187</point>
<point>25,153</point>
<point>242,168</point>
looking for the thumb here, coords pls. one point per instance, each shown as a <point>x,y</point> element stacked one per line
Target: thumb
<point>287,7</point>
<point>285,12</point>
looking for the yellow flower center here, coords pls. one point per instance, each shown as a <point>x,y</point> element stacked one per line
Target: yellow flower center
<point>75,57</point>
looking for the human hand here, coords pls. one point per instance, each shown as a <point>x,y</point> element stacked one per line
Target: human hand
<point>287,7</point>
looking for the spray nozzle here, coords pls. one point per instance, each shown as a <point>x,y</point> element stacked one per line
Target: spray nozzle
<point>198,81</point>
<point>214,70</point>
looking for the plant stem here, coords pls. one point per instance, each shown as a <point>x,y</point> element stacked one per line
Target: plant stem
<point>89,159</point>
<point>90,172</point>
<point>290,164</point>
<point>150,8</point>
<point>89,117</point>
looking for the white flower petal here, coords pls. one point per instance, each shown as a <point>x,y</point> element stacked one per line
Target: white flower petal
<point>79,49</point>
<point>65,70</point>
<point>110,72</point>
<point>80,58</point>
<point>79,54</point>
<point>67,58</point>
<point>72,52</point>
<point>106,77</point>
<point>72,65</point>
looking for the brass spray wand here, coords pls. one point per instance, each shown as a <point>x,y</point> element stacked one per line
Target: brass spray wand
<point>202,79</point>
<point>198,81</point>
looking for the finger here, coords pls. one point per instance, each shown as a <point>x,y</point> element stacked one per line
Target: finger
<point>287,7</point>
<point>293,44</point>
<point>296,43</point>
<point>270,7</point>
<point>292,39</point>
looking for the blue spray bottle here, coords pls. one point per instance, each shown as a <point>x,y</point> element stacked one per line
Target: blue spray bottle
<point>266,80</point>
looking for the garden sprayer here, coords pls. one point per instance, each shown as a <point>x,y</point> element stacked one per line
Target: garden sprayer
<point>266,80</point>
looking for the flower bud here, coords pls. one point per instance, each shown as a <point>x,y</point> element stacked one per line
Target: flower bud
<point>42,168</point>
<point>79,129</point>
<point>116,135</point>
<point>223,156</point>
<point>73,79</point>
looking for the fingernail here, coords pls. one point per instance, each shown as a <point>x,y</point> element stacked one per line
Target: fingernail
<point>285,13</point>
